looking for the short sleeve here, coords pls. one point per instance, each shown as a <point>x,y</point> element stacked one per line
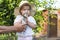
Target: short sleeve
<point>31,19</point>
<point>17,19</point>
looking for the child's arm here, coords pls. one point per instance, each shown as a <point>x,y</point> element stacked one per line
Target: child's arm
<point>31,22</point>
<point>32,25</point>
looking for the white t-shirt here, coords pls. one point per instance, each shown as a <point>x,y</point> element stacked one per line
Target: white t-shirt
<point>28,31</point>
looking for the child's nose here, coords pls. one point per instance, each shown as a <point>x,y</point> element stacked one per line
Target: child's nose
<point>26,10</point>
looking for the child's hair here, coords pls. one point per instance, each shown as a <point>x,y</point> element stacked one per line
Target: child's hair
<point>26,4</point>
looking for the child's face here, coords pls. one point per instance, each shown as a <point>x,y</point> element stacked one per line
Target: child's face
<point>25,9</point>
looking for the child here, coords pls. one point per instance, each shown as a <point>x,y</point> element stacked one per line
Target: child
<point>26,20</point>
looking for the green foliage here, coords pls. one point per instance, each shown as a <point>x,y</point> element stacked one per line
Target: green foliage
<point>6,11</point>
<point>7,17</point>
<point>8,36</point>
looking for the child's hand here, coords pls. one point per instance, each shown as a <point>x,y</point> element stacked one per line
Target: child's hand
<point>26,20</point>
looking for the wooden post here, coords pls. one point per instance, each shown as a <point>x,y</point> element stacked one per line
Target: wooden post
<point>52,32</point>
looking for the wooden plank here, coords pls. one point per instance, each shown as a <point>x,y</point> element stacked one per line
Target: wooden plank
<point>52,32</point>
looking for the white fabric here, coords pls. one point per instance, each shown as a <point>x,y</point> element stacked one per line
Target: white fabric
<point>28,31</point>
<point>18,18</point>
<point>25,38</point>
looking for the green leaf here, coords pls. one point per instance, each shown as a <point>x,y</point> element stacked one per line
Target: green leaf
<point>1,1</point>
